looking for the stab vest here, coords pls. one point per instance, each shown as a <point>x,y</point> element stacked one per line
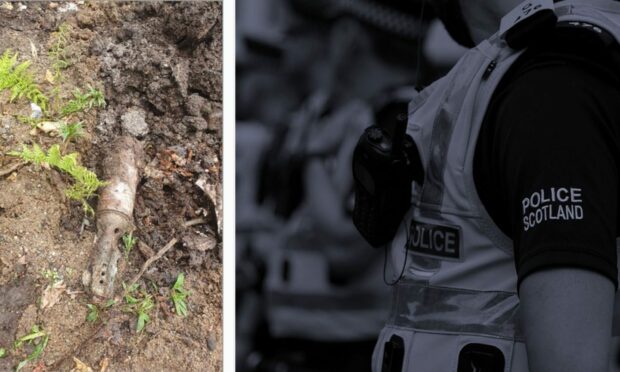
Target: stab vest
<point>459,285</point>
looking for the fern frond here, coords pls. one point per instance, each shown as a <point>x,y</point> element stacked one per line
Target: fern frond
<point>58,51</point>
<point>16,77</point>
<point>86,183</point>
<point>83,101</point>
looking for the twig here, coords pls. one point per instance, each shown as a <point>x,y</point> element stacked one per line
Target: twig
<point>12,169</point>
<point>148,262</point>
<point>196,221</point>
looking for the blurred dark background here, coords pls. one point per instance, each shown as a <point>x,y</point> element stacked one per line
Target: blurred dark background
<point>311,76</point>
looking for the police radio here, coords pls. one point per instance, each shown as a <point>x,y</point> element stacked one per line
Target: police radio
<point>383,170</point>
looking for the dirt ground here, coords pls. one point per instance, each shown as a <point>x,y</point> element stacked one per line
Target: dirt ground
<point>160,62</point>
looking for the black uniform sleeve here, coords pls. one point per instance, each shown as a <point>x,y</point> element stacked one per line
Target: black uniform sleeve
<point>547,165</point>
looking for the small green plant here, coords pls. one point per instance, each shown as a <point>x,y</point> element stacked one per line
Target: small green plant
<point>51,275</point>
<point>129,241</point>
<point>19,81</point>
<point>144,308</point>
<point>2,352</point>
<point>93,313</point>
<point>83,101</point>
<point>85,183</point>
<point>128,293</point>
<point>58,51</point>
<point>178,295</point>
<point>69,131</point>
<point>39,338</point>
<point>139,306</point>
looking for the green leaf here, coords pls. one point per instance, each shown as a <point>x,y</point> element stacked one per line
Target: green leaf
<point>131,299</point>
<point>178,284</point>
<point>29,337</point>
<point>93,314</point>
<point>68,131</point>
<point>180,307</point>
<point>129,241</point>
<point>83,101</point>
<point>143,318</point>
<point>40,339</point>
<point>21,365</point>
<point>2,352</point>
<point>178,295</point>
<point>38,350</point>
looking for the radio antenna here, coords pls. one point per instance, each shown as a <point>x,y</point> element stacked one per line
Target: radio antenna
<point>420,41</point>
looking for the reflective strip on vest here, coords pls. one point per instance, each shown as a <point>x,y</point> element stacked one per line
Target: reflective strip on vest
<point>345,301</point>
<point>451,310</point>
<point>449,110</point>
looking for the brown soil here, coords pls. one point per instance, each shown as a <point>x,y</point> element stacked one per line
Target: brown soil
<point>162,61</point>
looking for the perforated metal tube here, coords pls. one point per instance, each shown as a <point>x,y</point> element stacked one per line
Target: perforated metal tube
<point>114,214</point>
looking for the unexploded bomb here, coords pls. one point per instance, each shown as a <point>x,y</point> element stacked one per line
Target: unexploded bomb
<point>114,213</point>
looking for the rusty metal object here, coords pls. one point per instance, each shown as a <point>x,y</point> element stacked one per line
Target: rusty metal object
<point>114,214</point>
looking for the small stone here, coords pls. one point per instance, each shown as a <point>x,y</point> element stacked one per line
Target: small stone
<point>129,32</point>
<point>215,121</point>
<point>199,242</point>
<point>181,73</point>
<point>8,122</point>
<point>153,172</point>
<point>97,46</point>
<point>68,7</point>
<point>133,122</point>
<point>36,111</point>
<point>195,123</point>
<point>179,150</point>
<point>106,122</point>
<point>85,21</point>
<point>118,51</point>
<point>146,251</point>
<point>196,105</point>
<point>211,342</point>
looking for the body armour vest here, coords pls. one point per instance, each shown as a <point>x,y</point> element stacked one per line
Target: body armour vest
<point>459,286</point>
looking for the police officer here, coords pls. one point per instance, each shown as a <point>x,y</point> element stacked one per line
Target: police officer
<point>508,251</point>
